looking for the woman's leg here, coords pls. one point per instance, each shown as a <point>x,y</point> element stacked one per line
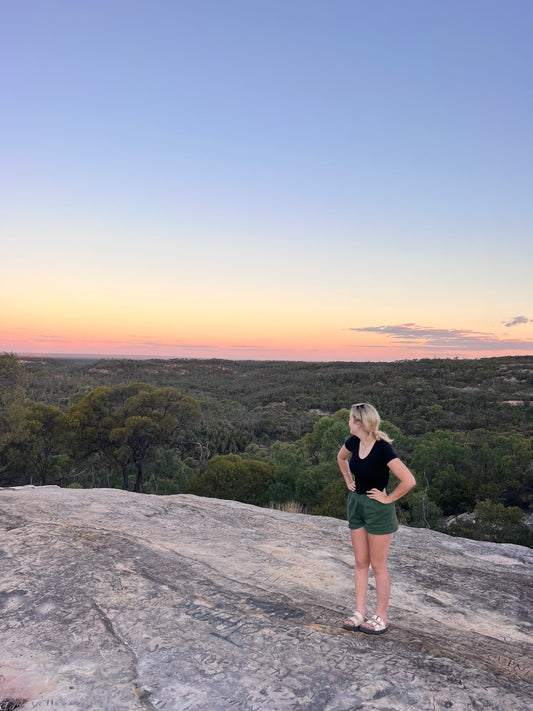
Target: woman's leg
<point>378,551</point>
<point>362,563</point>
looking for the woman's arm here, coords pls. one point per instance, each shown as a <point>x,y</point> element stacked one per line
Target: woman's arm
<point>342,459</point>
<point>407,482</point>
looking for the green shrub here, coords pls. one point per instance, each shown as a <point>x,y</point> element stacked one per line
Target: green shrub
<point>231,477</point>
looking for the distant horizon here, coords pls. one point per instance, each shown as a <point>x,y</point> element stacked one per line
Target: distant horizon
<point>391,343</point>
<point>108,356</point>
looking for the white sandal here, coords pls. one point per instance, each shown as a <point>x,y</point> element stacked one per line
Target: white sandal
<point>354,622</point>
<point>377,626</point>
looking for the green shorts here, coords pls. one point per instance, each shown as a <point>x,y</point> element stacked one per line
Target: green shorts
<point>376,518</point>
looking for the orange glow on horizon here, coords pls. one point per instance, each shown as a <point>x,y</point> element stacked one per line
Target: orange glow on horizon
<point>323,348</point>
<point>83,322</point>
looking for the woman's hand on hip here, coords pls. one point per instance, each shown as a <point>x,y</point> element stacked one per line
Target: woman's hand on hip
<point>378,495</point>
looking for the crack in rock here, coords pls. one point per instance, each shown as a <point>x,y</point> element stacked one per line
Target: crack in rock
<point>139,691</point>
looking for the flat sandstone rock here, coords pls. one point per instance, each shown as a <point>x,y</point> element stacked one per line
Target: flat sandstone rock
<point>114,601</point>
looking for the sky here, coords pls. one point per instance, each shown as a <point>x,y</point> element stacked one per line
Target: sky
<point>312,180</point>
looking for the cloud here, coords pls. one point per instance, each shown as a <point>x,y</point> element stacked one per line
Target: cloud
<point>257,348</point>
<point>50,339</point>
<point>163,344</point>
<point>446,338</point>
<point>517,321</point>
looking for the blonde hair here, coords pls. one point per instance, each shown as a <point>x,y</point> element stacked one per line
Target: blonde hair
<point>369,417</point>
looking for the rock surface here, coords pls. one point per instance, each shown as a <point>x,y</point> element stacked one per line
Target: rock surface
<point>115,601</point>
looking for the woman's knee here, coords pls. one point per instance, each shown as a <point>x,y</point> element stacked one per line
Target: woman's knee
<point>362,563</point>
<point>379,567</point>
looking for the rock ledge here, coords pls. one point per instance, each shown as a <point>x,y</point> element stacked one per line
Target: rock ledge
<point>118,601</point>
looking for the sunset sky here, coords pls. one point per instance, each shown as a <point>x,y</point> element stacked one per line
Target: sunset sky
<point>267,179</point>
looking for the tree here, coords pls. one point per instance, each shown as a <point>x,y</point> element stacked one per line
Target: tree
<point>165,472</point>
<point>327,437</point>
<point>332,500</point>
<point>290,462</point>
<point>418,510</point>
<point>154,417</point>
<point>504,466</point>
<point>231,477</point>
<point>124,423</point>
<point>453,492</point>
<point>12,398</point>
<point>499,523</point>
<point>495,522</point>
<point>39,450</point>
<point>93,419</point>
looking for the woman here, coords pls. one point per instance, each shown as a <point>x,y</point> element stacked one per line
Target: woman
<point>368,456</point>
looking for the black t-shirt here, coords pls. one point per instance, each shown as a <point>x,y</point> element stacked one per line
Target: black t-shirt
<point>372,471</point>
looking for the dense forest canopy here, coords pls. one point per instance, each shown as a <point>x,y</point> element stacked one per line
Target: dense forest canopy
<point>418,395</point>
<point>267,432</point>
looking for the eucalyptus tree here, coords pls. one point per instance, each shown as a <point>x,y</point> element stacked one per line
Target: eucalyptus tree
<point>231,477</point>
<point>124,423</point>
<point>13,380</point>
<point>39,450</point>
